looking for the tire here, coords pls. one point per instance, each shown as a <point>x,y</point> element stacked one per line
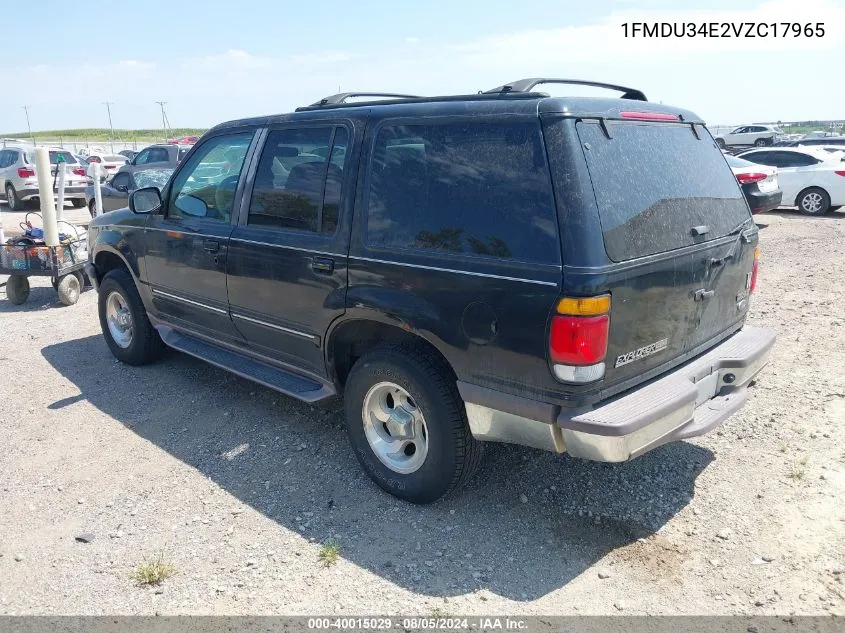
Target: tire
<point>17,289</point>
<point>144,345</point>
<point>761,142</point>
<point>451,454</point>
<point>68,289</point>
<point>77,203</point>
<point>813,201</point>
<point>721,143</point>
<point>15,204</point>
<point>92,208</point>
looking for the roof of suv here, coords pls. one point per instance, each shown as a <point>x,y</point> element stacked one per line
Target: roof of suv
<point>503,103</point>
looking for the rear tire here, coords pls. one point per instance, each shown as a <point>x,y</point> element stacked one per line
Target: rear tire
<point>17,289</point>
<point>12,199</point>
<point>761,142</point>
<point>813,201</point>
<point>142,345</point>
<point>77,203</point>
<point>92,208</point>
<point>721,143</point>
<point>425,386</point>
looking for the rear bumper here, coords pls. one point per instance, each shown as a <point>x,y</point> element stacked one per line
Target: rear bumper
<point>689,401</point>
<point>762,202</point>
<point>71,193</point>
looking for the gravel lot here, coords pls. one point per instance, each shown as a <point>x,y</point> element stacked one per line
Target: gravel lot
<point>237,487</point>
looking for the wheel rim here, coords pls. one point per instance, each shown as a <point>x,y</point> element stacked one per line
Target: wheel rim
<point>812,202</point>
<point>119,319</point>
<point>10,196</point>
<point>395,428</point>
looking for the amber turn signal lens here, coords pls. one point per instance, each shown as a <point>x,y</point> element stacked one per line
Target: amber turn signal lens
<point>584,306</point>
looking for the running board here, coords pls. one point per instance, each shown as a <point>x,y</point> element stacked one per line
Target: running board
<point>277,378</point>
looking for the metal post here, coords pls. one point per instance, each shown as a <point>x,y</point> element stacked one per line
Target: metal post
<point>28,126</point>
<point>108,105</point>
<point>45,195</point>
<point>60,198</point>
<point>98,194</point>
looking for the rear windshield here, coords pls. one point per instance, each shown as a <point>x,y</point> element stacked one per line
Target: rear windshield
<point>654,182</point>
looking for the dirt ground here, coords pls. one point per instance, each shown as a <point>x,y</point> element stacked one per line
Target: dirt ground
<point>239,488</point>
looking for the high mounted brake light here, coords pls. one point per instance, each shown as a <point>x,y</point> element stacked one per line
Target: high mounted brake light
<point>578,337</point>
<point>650,116</point>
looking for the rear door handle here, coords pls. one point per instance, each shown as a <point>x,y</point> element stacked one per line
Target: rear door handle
<point>701,295</point>
<point>212,246</point>
<point>322,265</point>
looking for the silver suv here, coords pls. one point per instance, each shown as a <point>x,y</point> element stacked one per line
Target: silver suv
<point>20,185</point>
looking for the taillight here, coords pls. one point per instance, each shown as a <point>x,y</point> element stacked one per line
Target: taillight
<point>79,171</point>
<point>578,337</point>
<point>840,173</point>
<point>745,179</point>
<point>650,116</point>
<point>26,172</point>
<point>754,268</point>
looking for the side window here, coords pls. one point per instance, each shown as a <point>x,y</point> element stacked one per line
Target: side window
<point>761,158</point>
<point>205,186</point>
<point>158,155</point>
<point>142,158</point>
<point>801,160</point>
<point>298,179</point>
<point>468,188</point>
<point>5,158</point>
<point>740,130</point>
<point>121,180</point>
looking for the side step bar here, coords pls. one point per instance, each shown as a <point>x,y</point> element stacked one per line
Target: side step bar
<point>282,380</point>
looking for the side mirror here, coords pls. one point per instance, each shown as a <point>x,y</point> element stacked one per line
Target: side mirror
<point>145,200</point>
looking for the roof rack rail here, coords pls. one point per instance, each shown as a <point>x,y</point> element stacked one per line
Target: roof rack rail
<point>341,97</point>
<point>525,85</point>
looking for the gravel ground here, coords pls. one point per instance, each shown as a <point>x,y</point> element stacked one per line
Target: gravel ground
<point>237,487</point>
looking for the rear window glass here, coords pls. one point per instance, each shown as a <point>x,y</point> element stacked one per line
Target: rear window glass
<point>479,189</point>
<point>655,181</point>
<point>65,157</point>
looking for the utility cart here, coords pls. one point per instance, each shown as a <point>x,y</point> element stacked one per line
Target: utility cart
<point>24,258</point>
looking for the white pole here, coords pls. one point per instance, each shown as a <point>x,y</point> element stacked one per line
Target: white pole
<point>45,195</point>
<point>98,194</point>
<point>60,199</point>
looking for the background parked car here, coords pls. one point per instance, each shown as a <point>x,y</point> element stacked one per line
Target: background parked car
<point>809,142</point>
<point>162,155</point>
<point>759,184</point>
<point>129,154</point>
<point>19,183</point>
<point>109,163</point>
<point>115,192</point>
<point>811,179</point>
<point>759,135</point>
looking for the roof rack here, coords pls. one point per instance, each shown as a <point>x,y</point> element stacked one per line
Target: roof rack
<point>525,85</point>
<point>341,97</point>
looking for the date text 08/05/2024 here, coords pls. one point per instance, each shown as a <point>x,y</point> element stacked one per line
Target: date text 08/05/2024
<point>418,623</point>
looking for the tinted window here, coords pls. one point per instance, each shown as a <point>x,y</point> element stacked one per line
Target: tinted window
<point>762,158</point>
<point>655,181</point>
<point>158,155</point>
<point>737,162</point>
<point>5,158</point>
<point>65,157</point>
<point>205,186</point>
<point>121,180</point>
<point>297,186</point>
<point>471,188</point>
<point>142,157</point>
<point>797,159</point>
<point>181,154</point>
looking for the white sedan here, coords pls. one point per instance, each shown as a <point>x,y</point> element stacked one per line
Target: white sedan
<point>109,163</point>
<point>811,179</point>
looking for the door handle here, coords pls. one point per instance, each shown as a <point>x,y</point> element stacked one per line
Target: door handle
<point>322,265</point>
<point>212,246</point>
<point>701,295</point>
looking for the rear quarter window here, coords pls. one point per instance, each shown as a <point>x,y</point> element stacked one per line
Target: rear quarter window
<point>653,182</point>
<point>463,188</point>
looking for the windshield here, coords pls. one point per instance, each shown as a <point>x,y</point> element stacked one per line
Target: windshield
<point>152,177</point>
<point>655,181</point>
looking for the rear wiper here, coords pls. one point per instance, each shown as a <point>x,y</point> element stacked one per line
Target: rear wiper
<point>739,227</point>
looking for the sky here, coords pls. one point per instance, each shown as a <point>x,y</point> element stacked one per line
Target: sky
<point>214,60</point>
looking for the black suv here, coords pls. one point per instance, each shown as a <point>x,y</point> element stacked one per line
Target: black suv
<point>571,274</point>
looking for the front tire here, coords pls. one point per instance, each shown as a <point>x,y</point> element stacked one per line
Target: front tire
<point>407,424</point>
<point>92,208</point>
<point>127,329</point>
<point>813,201</point>
<point>17,289</point>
